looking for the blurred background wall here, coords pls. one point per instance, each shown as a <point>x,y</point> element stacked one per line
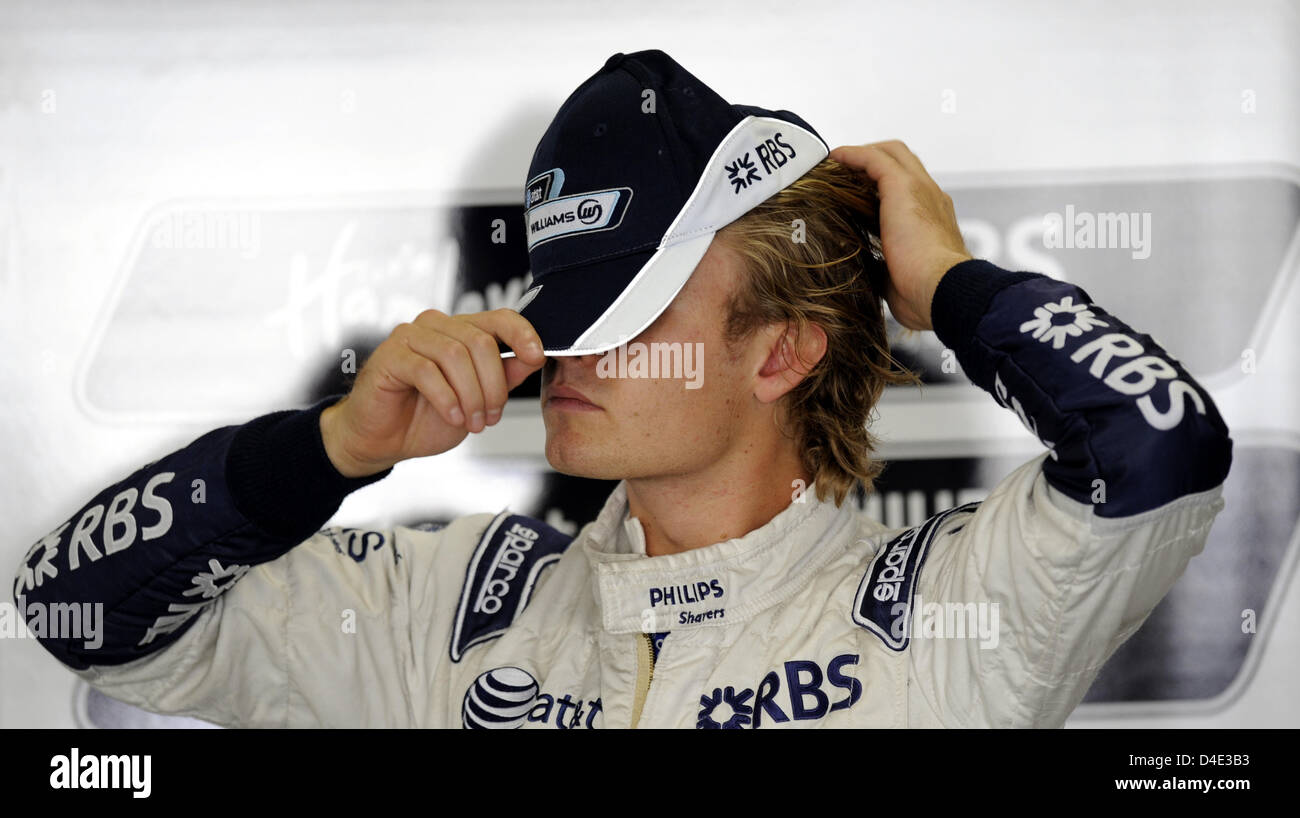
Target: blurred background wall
<point>203,205</point>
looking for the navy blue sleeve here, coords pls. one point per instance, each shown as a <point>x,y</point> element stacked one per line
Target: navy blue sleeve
<point>160,545</point>
<point>1107,401</point>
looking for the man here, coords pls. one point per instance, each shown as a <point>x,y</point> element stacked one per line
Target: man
<point>726,582</point>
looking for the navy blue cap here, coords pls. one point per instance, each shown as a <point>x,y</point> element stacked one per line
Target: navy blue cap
<point>642,164</point>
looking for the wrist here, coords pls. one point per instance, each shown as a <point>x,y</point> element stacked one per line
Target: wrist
<point>281,477</point>
<point>926,297</point>
<point>331,438</point>
<point>963,296</point>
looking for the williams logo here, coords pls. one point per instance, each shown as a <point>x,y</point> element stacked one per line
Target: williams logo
<point>574,215</point>
<point>589,211</point>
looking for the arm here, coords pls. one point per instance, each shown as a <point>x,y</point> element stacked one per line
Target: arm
<point>227,604</point>
<point>1074,549</point>
<point>162,544</point>
<point>207,564</point>
<point>1077,547</point>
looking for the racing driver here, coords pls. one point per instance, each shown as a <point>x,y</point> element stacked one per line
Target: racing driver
<point>729,580</point>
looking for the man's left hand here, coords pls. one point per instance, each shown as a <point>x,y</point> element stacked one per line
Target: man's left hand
<point>918,227</point>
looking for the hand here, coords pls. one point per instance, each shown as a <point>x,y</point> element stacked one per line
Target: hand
<point>918,228</point>
<point>427,386</point>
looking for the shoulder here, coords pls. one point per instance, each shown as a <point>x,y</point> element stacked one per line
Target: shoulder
<point>503,564</point>
<point>888,578</point>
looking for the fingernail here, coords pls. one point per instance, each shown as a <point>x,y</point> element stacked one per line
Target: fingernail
<point>457,416</point>
<point>493,416</point>
<point>476,421</point>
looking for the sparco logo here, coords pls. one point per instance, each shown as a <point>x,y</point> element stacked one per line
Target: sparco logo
<point>518,541</point>
<point>685,594</point>
<point>894,573</point>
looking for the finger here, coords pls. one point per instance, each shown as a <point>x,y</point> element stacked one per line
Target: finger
<point>491,374</point>
<point>905,157</point>
<point>513,329</point>
<point>408,367</point>
<point>869,159</point>
<point>456,363</point>
<point>517,371</point>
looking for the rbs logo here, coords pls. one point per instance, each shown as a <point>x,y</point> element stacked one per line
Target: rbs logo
<point>772,154</point>
<point>798,692</point>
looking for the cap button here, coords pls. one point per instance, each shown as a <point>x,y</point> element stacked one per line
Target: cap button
<point>613,61</point>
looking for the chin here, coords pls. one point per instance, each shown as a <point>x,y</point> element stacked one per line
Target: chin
<point>579,459</point>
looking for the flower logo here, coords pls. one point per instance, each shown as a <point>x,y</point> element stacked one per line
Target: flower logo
<point>742,173</point>
<point>39,562</point>
<point>740,711</point>
<point>216,580</point>
<point>1046,327</point>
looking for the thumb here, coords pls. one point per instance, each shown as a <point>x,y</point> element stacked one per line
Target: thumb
<point>517,371</point>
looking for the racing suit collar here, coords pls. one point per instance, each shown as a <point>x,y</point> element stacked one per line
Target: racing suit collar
<point>716,585</point>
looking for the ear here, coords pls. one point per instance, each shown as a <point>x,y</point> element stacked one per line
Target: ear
<point>791,356</point>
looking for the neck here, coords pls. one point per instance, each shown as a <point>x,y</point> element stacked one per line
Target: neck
<point>729,499</point>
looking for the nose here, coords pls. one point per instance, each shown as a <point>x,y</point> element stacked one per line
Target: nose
<point>567,367</point>
<point>574,362</point>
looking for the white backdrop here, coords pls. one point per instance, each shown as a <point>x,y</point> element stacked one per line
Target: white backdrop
<point>116,117</point>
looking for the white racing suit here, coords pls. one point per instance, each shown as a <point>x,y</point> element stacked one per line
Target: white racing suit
<point>233,611</point>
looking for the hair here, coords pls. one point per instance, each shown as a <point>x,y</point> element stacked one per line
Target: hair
<point>832,275</point>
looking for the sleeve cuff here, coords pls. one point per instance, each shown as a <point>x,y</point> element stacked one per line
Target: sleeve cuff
<point>963,297</point>
<point>280,477</point>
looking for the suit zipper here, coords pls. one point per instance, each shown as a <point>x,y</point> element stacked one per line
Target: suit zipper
<point>645,673</point>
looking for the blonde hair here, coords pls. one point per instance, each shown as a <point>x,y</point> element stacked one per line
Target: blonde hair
<point>813,256</point>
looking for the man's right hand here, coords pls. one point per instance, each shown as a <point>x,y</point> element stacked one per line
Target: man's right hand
<point>427,386</point>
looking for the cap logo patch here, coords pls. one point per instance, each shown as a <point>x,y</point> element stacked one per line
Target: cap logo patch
<point>574,215</point>
<point>543,186</point>
<point>770,154</point>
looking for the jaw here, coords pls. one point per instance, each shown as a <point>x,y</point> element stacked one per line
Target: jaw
<point>577,443</point>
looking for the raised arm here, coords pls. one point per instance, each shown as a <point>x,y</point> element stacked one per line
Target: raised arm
<point>1072,551</point>
<point>202,559</point>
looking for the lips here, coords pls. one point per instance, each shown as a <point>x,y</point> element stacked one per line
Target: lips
<point>567,396</point>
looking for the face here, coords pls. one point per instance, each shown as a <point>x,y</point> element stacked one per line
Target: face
<point>610,424</point>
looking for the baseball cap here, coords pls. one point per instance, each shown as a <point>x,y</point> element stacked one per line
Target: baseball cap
<point>641,165</point>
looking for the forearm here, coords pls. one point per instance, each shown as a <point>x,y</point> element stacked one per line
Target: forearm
<point>1109,403</point>
<point>157,547</point>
